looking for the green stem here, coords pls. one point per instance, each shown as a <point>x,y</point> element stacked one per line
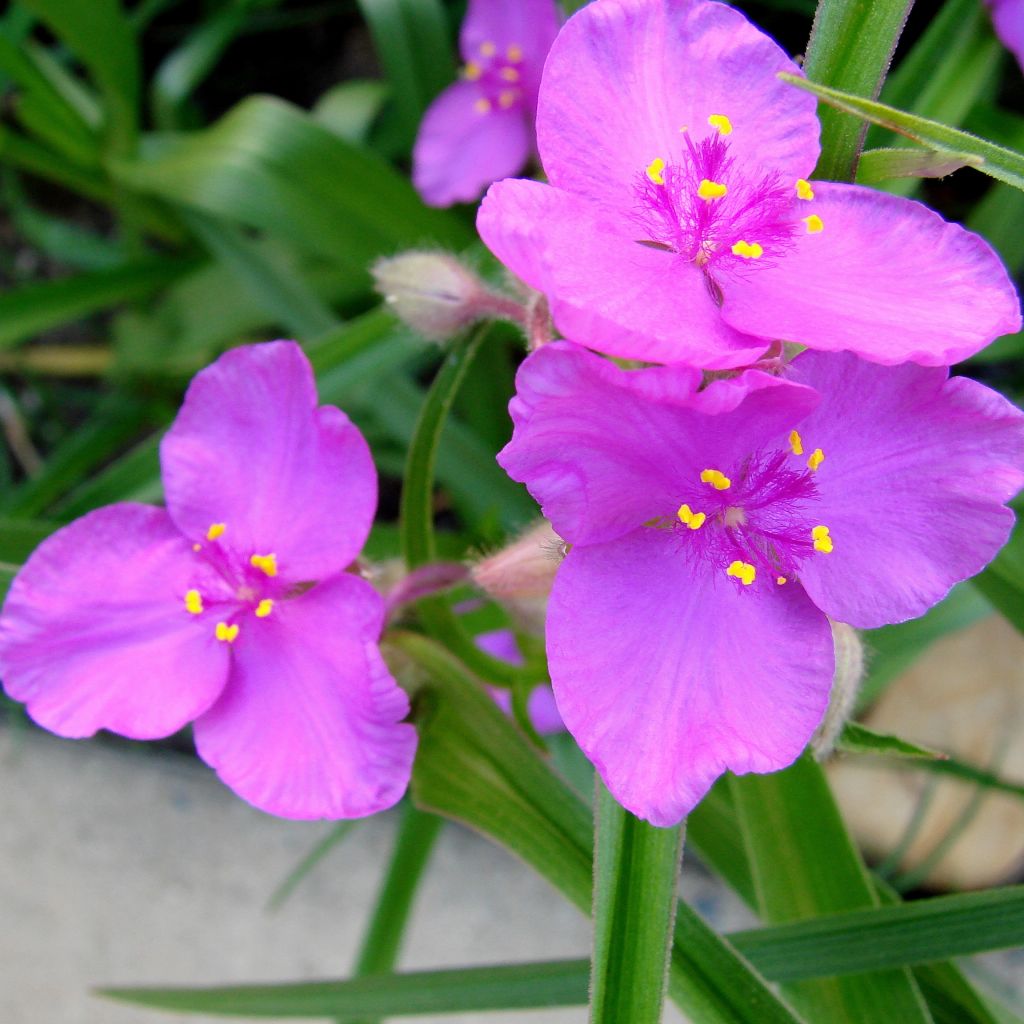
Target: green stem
<point>417,834</point>
<point>851,45</point>
<point>636,870</point>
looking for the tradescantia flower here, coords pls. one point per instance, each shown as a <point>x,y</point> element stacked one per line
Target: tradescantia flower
<point>715,532</point>
<point>680,224</point>
<point>481,128</point>
<point>232,609</point>
<point>1008,21</point>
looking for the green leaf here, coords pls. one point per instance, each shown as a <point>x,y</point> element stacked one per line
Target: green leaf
<point>1002,581</point>
<point>339,832</point>
<point>850,48</point>
<point>636,871</point>
<point>350,108</point>
<point>859,739</point>
<point>884,164</point>
<point>997,161</point>
<point>804,864</point>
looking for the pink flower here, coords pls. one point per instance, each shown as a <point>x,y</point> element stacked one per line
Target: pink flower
<point>679,224</point>
<point>232,609</point>
<point>501,643</point>
<point>715,532</point>
<point>481,128</point>
<point>1008,21</point>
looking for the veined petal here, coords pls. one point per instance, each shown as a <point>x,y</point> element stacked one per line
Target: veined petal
<point>625,76</point>
<point>604,450</point>
<point>309,725</point>
<point>606,287</point>
<point>460,150</point>
<point>667,679</point>
<point>886,278</point>
<point>95,633</point>
<point>251,450</point>
<point>917,468</point>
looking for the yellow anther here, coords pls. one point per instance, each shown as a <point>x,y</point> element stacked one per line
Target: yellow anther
<point>796,443</point>
<point>747,250</point>
<point>743,571</point>
<point>215,531</point>
<point>815,459</point>
<point>722,123</point>
<point>488,49</point>
<point>509,74</point>
<point>708,190</point>
<point>655,169</point>
<point>482,105</point>
<point>197,547</point>
<point>822,540</point>
<point>264,608</point>
<point>227,633</point>
<point>780,580</point>
<point>694,520</point>
<point>718,480</point>
<point>193,602</point>
<point>803,189</point>
<point>814,224</point>
<point>265,563</point>
<point>472,71</point>
<point>514,53</point>
<point>507,98</point>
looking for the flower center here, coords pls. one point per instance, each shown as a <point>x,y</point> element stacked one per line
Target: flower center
<point>722,215</point>
<point>498,73</point>
<point>754,521</point>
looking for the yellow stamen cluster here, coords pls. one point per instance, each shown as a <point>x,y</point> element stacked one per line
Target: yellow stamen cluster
<point>804,190</point>
<point>193,602</point>
<point>747,250</point>
<point>796,443</point>
<point>265,563</point>
<point>216,530</point>
<point>227,633</point>
<point>507,97</point>
<point>822,540</point>
<point>815,459</point>
<point>482,105</point>
<point>814,223</point>
<point>514,53</point>
<point>780,580</point>
<point>718,480</point>
<point>472,71</point>
<point>655,171</point>
<point>743,571</point>
<point>264,608</point>
<point>708,190</point>
<point>488,49</point>
<point>694,520</point>
<point>509,74</point>
<point>722,123</point>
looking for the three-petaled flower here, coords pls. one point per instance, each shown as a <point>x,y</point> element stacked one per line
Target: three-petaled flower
<point>481,128</point>
<point>714,532</point>
<point>680,224</point>
<point>232,608</point>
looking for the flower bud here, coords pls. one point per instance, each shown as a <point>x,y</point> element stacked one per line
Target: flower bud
<point>845,687</point>
<point>432,292</point>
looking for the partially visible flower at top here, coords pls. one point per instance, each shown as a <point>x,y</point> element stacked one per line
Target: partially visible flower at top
<point>232,609</point>
<point>679,224</point>
<point>481,128</point>
<point>501,643</point>
<point>715,532</point>
<point>1008,21</point>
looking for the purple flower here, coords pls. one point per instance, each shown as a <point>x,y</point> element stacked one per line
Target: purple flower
<point>231,609</point>
<point>679,224</point>
<point>501,643</point>
<point>1008,21</point>
<point>714,533</point>
<point>481,128</point>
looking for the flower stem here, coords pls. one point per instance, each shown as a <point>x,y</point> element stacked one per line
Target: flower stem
<point>636,870</point>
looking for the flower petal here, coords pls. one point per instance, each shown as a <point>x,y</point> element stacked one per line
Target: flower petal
<point>309,723</point>
<point>886,278</point>
<point>604,450</point>
<point>95,634</point>
<point>667,680</point>
<point>250,449</point>
<point>606,289</point>
<point>625,76</point>
<point>459,150</point>
<point>1008,21</point>
<point>917,468</point>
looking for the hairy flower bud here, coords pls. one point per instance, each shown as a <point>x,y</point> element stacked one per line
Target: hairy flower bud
<point>845,687</point>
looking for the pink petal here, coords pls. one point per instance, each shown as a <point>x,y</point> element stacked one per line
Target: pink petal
<point>606,290</point>
<point>604,450</point>
<point>1008,20</point>
<point>459,150</point>
<point>667,679</point>
<point>309,723</point>
<point>250,449</point>
<point>624,76</point>
<point>887,278</point>
<point>917,468</point>
<point>95,634</point>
